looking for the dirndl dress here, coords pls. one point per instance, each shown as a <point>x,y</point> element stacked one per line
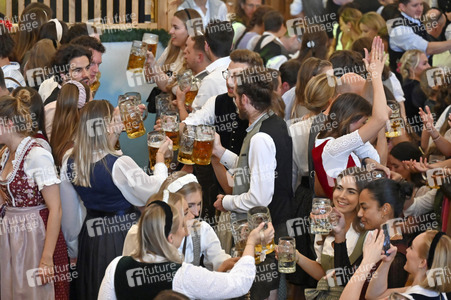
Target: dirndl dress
<point>109,216</point>
<point>23,231</point>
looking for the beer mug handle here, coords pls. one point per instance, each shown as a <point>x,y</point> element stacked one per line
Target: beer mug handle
<point>263,243</point>
<point>145,113</point>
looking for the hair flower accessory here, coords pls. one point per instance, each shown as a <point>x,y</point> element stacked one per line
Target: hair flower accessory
<point>7,24</point>
<point>310,44</point>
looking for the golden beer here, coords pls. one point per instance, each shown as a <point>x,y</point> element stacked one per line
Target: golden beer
<point>136,63</point>
<point>152,48</point>
<point>153,149</point>
<point>185,158</point>
<point>137,57</point>
<point>202,151</point>
<point>174,136</point>
<point>395,124</point>
<point>239,248</point>
<point>258,250</point>
<point>189,97</point>
<point>134,126</point>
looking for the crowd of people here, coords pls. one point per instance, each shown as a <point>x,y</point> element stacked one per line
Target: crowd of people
<point>348,101</point>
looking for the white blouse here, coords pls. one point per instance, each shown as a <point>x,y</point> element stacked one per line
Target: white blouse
<point>209,245</point>
<point>197,282</point>
<point>135,185</point>
<point>336,152</point>
<point>38,165</point>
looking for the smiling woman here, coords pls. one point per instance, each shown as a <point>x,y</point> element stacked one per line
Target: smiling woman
<point>173,54</point>
<point>342,248</point>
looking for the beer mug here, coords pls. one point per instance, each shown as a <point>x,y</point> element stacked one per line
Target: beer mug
<point>131,117</point>
<point>255,216</point>
<point>170,126</point>
<point>287,254</point>
<point>320,223</point>
<point>186,143</point>
<point>136,97</point>
<point>150,40</point>
<point>137,57</point>
<point>395,122</point>
<point>192,93</point>
<point>240,232</point>
<point>203,144</point>
<point>184,79</point>
<point>154,140</point>
<point>162,104</point>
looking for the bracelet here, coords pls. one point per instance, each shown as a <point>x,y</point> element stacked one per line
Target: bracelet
<point>437,138</point>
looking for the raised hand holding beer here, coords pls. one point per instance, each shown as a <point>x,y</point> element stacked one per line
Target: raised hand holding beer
<point>258,236</point>
<point>160,148</point>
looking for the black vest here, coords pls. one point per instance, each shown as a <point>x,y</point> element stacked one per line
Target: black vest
<point>280,206</point>
<point>395,56</point>
<point>137,280</point>
<point>229,126</point>
<point>270,50</point>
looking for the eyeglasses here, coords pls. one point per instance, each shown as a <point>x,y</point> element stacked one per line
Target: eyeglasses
<point>226,74</point>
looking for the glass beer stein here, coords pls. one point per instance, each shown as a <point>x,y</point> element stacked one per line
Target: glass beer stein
<point>287,254</point>
<point>255,216</point>
<point>184,79</point>
<point>150,40</point>
<point>320,221</point>
<point>240,232</point>
<point>154,140</point>
<point>136,97</point>
<point>192,93</point>
<point>186,143</point>
<point>137,57</point>
<point>395,123</point>
<point>203,144</point>
<point>170,126</point>
<point>163,104</point>
<point>131,116</point>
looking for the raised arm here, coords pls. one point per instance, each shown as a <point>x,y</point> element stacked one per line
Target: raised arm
<point>374,63</point>
<point>371,255</point>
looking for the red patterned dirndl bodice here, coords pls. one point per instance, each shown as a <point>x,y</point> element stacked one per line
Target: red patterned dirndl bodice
<point>20,190</point>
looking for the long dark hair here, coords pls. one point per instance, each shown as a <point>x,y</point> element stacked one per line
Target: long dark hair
<point>346,109</point>
<point>408,151</point>
<point>389,191</point>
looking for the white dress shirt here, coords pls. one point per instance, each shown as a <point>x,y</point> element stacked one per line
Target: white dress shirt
<point>213,84</point>
<point>203,116</point>
<point>135,185</point>
<point>289,98</point>
<point>211,15</point>
<point>197,282</point>
<point>262,166</point>
<point>402,38</point>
